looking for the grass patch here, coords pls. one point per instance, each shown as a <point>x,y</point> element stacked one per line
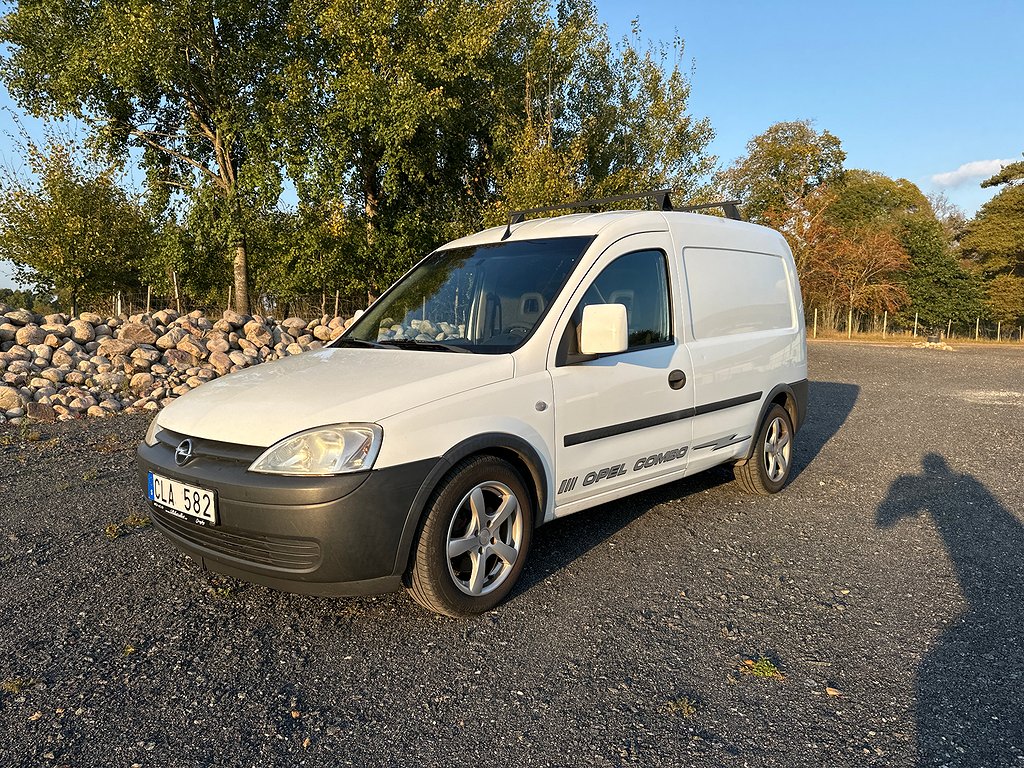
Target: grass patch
<point>15,685</point>
<point>681,707</point>
<point>763,667</point>
<point>132,522</point>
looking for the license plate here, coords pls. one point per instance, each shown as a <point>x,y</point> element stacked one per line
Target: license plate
<point>189,502</point>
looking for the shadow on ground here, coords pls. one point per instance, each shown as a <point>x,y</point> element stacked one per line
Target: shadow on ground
<point>970,686</point>
<point>561,542</point>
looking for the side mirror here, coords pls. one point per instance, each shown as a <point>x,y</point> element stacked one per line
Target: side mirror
<point>603,329</point>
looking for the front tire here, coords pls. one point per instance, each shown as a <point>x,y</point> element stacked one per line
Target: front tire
<point>475,539</point>
<point>768,469</point>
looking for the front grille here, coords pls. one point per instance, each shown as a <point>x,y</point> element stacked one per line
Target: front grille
<point>211,449</point>
<point>283,554</point>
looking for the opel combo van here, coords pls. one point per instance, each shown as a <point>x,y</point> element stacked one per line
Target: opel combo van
<point>512,377</point>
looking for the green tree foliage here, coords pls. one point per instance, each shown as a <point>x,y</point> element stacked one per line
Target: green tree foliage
<point>72,231</point>
<point>1004,299</point>
<point>781,168</point>
<point>994,240</point>
<point>937,287</point>
<point>187,82</point>
<point>41,304</point>
<point>425,117</point>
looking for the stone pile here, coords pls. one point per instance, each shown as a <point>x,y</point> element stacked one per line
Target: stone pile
<point>56,367</point>
<point>933,345</point>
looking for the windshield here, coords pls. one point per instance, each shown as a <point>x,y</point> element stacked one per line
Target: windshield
<point>481,298</point>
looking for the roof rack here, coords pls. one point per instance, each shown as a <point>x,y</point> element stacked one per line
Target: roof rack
<point>660,196</point>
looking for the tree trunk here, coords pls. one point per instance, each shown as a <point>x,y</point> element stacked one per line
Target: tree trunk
<point>241,277</point>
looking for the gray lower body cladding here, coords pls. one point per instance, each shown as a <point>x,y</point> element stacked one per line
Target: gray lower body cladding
<point>340,535</point>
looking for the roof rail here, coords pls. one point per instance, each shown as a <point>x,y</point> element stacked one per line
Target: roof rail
<point>660,196</point>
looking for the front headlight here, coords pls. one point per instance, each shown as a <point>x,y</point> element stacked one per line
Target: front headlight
<point>151,432</point>
<point>323,451</point>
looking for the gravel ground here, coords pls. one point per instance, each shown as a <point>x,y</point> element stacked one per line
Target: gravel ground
<point>884,586</point>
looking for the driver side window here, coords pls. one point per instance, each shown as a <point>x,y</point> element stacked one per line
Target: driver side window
<point>639,281</point>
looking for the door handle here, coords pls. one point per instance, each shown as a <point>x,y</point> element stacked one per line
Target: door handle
<point>677,379</point>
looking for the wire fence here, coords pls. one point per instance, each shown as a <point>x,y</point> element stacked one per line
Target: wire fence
<point>306,306</point>
<point>822,324</point>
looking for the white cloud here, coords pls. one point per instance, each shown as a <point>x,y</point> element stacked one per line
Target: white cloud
<point>968,172</point>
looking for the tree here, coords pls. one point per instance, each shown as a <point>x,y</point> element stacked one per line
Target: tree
<point>994,240</point>
<point>1004,299</point>
<point>186,82</point>
<point>782,167</point>
<point>70,230</point>
<point>423,118</point>
<point>937,287</point>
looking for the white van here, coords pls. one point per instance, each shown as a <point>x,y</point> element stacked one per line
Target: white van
<point>511,377</point>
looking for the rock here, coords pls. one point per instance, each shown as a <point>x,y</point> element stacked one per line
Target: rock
<point>220,361</point>
<point>110,347</point>
<point>61,359</point>
<point>138,333</point>
<point>170,339</point>
<point>235,319</point>
<point>192,345</point>
<point>40,412</point>
<point>294,325</point>
<point>52,340</point>
<point>20,317</point>
<point>111,381</point>
<point>218,344</point>
<point>53,375</point>
<point>223,326</point>
<point>7,332</point>
<point>96,412</point>
<point>239,358</point>
<point>322,332</point>
<point>146,353</point>
<point>103,330</point>
<point>294,349</point>
<point>57,319</point>
<point>91,317</point>
<point>165,317</point>
<point>10,399</point>
<point>178,358</point>
<point>41,351</point>
<point>30,335</point>
<point>81,331</point>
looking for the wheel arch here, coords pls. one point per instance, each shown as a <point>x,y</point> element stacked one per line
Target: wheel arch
<point>789,398</point>
<point>511,448</point>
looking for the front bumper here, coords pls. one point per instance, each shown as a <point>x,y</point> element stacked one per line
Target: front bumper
<point>339,535</point>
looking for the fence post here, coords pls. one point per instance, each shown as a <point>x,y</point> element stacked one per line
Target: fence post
<point>230,288</point>
<point>885,322</point>
<point>949,327</point>
<point>815,323</point>
<point>118,312</point>
<point>977,328</point>
<point>999,331</point>
<point>149,295</point>
<point>915,325</point>
<point>323,303</point>
<point>337,297</point>
<point>849,324</point>
<point>177,299</point>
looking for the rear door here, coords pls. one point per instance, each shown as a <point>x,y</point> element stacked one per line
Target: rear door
<point>622,419</point>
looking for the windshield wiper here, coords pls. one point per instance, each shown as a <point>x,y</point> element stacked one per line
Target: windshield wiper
<point>348,341</point>
<point>433,346</point>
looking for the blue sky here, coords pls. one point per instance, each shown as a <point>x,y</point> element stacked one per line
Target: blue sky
<point>927,91</point>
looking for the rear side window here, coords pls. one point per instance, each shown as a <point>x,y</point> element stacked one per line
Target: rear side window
<point>735,292</point>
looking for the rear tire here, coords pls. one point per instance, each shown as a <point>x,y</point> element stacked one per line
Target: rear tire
<point>475,539</point>
<point>767,470</point>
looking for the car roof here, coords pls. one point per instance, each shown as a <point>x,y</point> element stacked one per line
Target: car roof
<point>606,223</point>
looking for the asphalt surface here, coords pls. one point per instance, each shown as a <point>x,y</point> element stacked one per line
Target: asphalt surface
<point>884,584</point>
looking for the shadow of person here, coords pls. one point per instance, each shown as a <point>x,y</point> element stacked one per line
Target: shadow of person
<point>970,687</point>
